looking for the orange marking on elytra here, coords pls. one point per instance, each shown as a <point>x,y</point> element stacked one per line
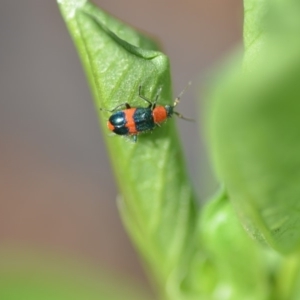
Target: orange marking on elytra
<point>130,124</point>
<point>110,126</point>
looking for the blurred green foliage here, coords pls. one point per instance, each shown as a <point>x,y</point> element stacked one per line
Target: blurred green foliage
<point>254,125</point>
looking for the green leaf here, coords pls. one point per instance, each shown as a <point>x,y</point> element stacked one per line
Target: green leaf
<point>254,128</point>
<point>256,13</point>
<point>156,202</point>
<point>265,20</point>
<point>241,267</point>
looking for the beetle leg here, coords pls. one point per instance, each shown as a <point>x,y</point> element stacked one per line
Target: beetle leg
<point>144,98</point>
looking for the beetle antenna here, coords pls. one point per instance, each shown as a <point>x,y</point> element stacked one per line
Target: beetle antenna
<point>182,117</point>
<point>177,100</point>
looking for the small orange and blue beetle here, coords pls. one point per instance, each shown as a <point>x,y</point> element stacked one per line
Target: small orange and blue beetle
<point>134,120</point>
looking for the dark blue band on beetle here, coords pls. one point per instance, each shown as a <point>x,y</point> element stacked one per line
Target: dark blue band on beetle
<point>143,119</point>
<point>118,120</point>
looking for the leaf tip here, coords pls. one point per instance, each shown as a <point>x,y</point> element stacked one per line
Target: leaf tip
<point>69,7</point>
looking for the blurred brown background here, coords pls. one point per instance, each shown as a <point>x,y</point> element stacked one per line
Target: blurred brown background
<point>57,191</point>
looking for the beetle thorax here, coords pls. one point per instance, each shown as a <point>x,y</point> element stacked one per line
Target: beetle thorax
<point>159,114</point>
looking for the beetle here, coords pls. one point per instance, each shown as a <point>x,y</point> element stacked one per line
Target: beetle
<point>134,120</point>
